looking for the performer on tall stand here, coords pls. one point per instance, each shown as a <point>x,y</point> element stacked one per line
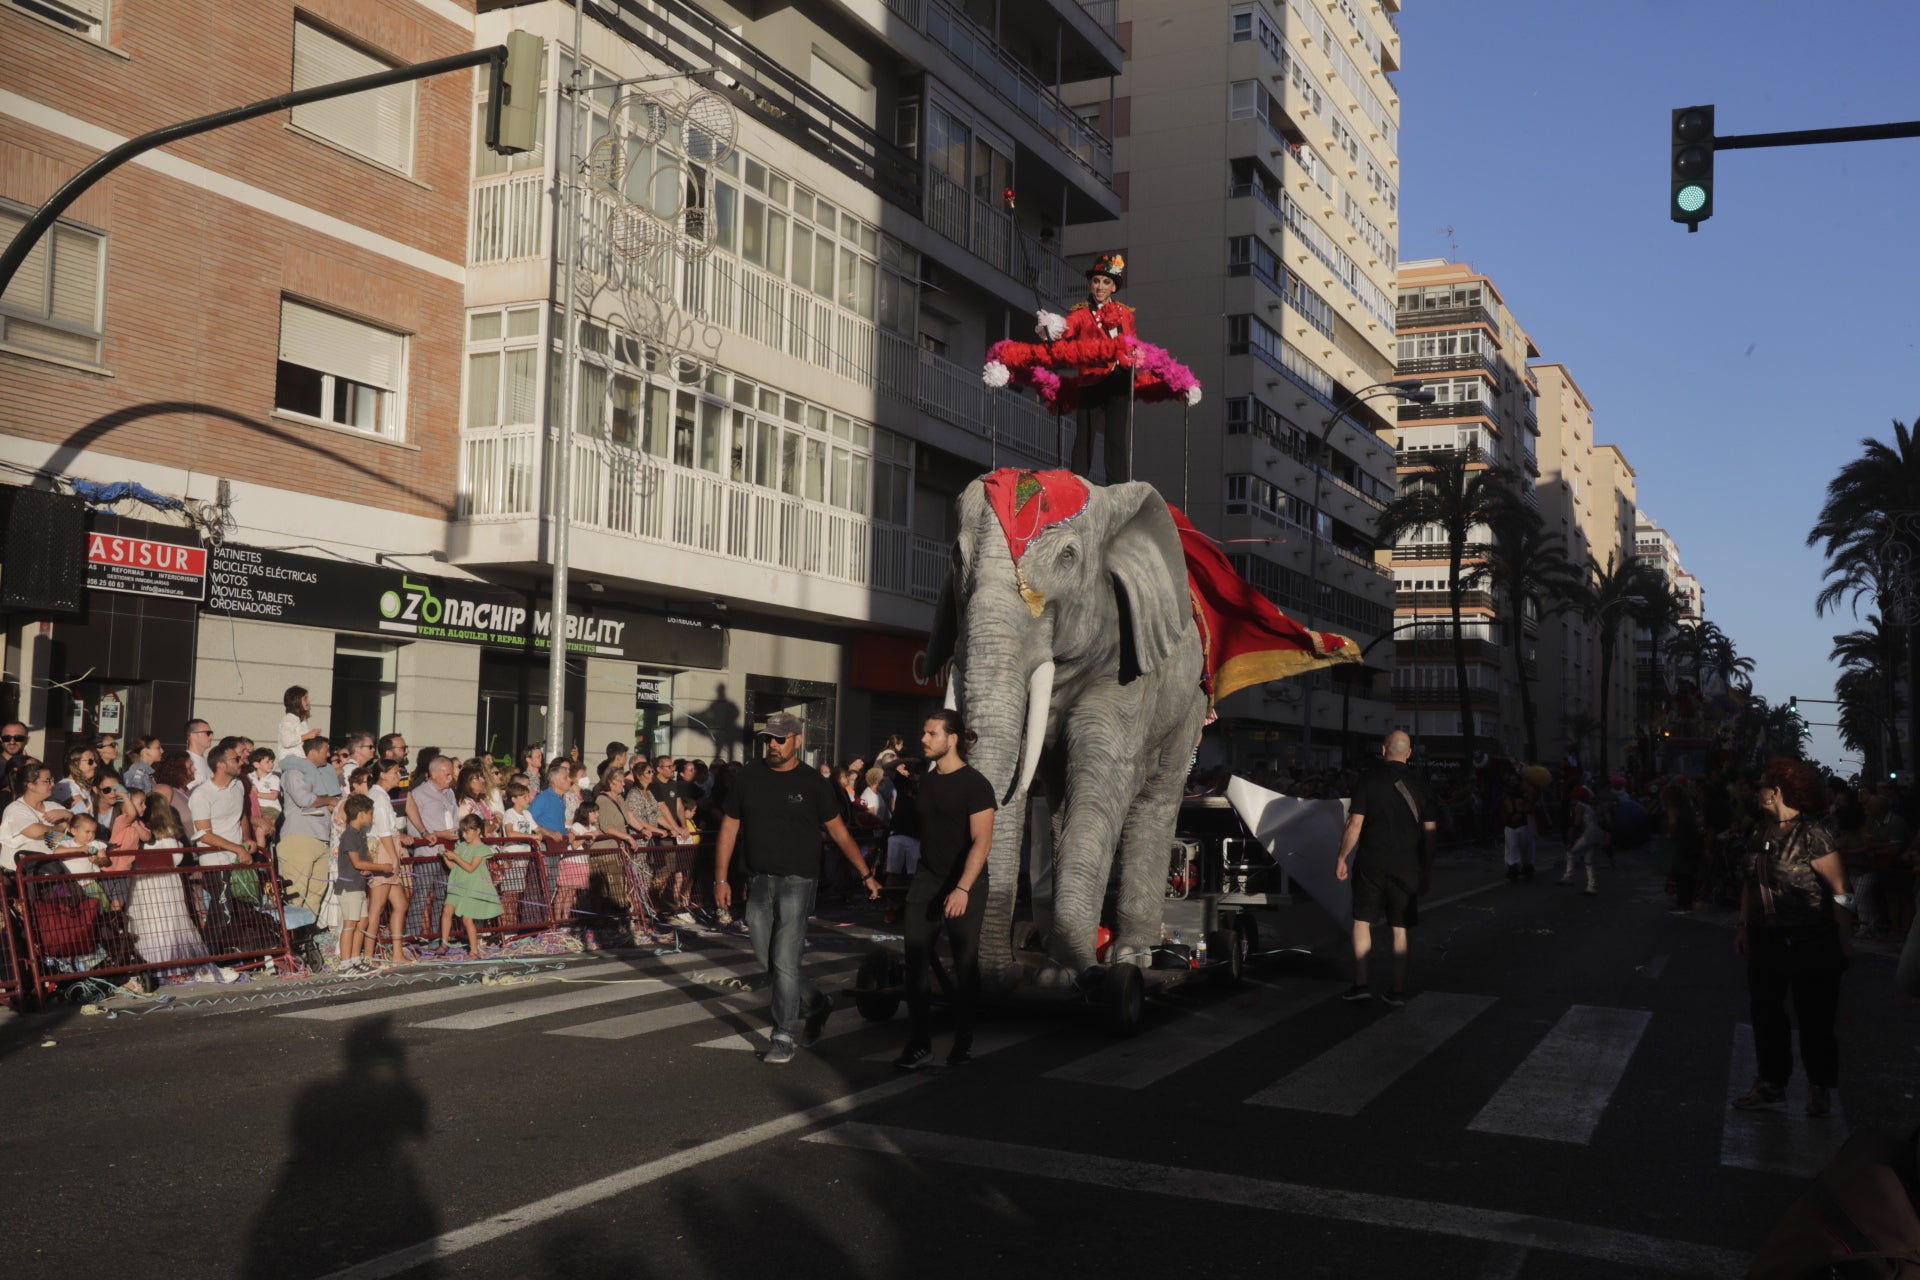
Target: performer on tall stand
<point>1105,389</point>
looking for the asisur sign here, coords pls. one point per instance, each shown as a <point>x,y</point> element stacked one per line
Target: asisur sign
<point>142,566</point>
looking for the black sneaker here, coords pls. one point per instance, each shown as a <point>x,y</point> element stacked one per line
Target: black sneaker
<point>1358,991</point>
<point>1395,999</point>
<point>816,1021</point>
<point>913,1057</point>
<point>961,1053</point>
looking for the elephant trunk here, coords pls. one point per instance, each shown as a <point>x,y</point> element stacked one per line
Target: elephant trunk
<point>1010,733</point>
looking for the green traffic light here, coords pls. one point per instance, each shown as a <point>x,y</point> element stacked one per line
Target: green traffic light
<point>1691,198</point>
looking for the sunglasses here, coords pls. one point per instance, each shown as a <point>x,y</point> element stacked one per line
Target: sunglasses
<point>776,737</point>
<point>13,737</point>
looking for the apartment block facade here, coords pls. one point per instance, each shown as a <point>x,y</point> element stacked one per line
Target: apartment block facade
<point>330,344</point>
<point>1459,340</point>
<point>1655,549</point>
<point>1262,252</point>
<point>1589,495</point>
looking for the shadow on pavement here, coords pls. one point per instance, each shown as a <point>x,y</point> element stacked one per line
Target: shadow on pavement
<point>349,1188</point>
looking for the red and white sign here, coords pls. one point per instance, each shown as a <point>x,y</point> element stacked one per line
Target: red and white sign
<point>147,568</point>
<point>893,664</point>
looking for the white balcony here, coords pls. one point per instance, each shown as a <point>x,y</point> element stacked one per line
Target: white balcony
<point>993,235</point>
<point>810,548</point>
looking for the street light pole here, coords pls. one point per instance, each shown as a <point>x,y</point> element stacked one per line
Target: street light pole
<point>1407,389</point>
<point>561,423</point>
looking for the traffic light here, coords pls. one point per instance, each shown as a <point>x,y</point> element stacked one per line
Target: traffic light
<point>1793,704</point>
<point>1692,201</point>
<point>513,106</point>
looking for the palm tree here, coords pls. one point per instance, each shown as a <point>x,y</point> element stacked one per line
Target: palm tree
<point>1456,493</point>
<point>1870,525</point>
<point>1524,563</point>
<point>1610,597</point>
<point>1869,660</point>
<point>1662,612</point>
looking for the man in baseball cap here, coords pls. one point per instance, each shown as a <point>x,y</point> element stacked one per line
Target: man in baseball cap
<point>775,811</point>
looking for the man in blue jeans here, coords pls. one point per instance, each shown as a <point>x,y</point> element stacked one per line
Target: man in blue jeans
<point>779,809</point>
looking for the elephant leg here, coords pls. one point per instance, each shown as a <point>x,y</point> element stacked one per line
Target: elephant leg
<point>1146,843</point>
<point>1099,791</point>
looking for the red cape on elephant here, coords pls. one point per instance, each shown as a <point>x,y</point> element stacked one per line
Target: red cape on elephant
<point>1077,351</point>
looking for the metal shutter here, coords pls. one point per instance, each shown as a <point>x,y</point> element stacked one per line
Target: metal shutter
<point>316,339</point>
<point>377,123</point>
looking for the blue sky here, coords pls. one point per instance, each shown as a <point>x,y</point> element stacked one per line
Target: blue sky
<point>1739,367</point>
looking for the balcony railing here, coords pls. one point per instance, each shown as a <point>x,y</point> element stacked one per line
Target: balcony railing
<point>993,235</point>
<point>509,219</point>
<point>1438,600</point>
<point>686,38</point>
<point>1478,698</point>
<point>1458,409</point>
<point>994,67</point>
<point>1465,363</point>
<point>621,491</point>
<point>1436,317</point>
<point>1105,13</point>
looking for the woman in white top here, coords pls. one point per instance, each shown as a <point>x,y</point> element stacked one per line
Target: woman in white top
<point>294,728</point>
<point>74,793</point>
<point>873,799</point>
<point>28,821</point>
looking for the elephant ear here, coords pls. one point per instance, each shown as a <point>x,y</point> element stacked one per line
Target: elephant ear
<point>1150,578</point>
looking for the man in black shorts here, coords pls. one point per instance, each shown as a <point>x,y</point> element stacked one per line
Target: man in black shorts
<point>949,890</point>
<point>1389,837</point>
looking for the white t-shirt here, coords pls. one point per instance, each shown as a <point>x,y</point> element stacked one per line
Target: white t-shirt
<point>74,797</point>
<point>267,787</point>
<point>221,808</point>
<point>200,770</point>
<point>518,822</point>
<point>18,817</point>
<point>290,741</point>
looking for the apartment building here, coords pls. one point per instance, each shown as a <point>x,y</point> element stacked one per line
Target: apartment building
<point>339,338</point>
<point>1655,549</point>
<point>1256,156</point>
<point>1460,341</point>
<point>1589,495</point>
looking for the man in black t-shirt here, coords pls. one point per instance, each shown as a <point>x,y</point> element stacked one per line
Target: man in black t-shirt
<point>1391,825</point>
<point>949,890</point>
<point>776,809</point>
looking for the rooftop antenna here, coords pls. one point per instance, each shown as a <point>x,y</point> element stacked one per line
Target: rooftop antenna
<point>1453,244</point>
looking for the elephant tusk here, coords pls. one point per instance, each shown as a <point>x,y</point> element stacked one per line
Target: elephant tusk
<point>1039,703</point>
<point>953,687</point>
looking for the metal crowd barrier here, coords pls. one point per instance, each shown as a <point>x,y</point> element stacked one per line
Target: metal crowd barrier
<point>157,920</point>
<point>12,965</point>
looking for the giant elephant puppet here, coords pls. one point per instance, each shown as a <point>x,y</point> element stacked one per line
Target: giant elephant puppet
<point>1078,666</point>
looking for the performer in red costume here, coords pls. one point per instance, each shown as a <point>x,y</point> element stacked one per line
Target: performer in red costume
<point>1105,390</point>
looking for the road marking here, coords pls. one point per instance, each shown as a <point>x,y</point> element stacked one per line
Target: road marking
<point>499,1015</point>
<point>647,1021</point>
<point>438,995</point>
<point>499,1225</point>
<point>992,1040</point>
<point>1552,1235</point>
<point>1147,1059</point>
<point>1560,1091</point>
<point>1344,1079</point>
<point>841,1022</point>
<point>1787,1140</point>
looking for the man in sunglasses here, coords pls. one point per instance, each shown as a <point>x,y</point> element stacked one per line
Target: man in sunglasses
<point>13,747</point>
<point>778,809</point>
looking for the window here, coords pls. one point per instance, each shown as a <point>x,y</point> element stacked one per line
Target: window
<point>503,368</point>
<point>86,18</point>
<point>377,124</point>
<point>342,371</point>
<point>365,682</point>
<point>53,303</point>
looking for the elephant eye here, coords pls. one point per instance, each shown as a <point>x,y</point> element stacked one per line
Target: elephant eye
<point>1069,554</point>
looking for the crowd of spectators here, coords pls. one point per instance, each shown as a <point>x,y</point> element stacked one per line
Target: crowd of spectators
<point>226,802</point>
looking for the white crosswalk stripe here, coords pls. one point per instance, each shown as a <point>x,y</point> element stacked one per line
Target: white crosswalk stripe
<point>1344,1079</point>
<point>987,1040</point>
<point>1787,1140</point>
<point>1564,1085</point>
<point>842,1022</point>
<point>1150,1058</point>
<point>606,991</point>
<point>422,997</point>
<point>685,1013</point>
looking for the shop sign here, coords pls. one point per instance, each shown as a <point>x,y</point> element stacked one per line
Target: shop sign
<point>144,567</point>
<point>893,664</point>
<point>652,691</point>
<point>307,591</point>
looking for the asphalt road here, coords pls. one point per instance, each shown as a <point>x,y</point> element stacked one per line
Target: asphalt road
<point>1552,1103</point>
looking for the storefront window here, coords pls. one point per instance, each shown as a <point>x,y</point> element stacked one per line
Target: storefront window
<point>364,683</point>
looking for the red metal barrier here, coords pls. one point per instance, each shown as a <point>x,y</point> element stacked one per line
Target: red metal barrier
<point>111,924</point>
<point>13,985</point>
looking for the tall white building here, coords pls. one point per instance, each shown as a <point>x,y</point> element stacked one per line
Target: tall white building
<point>1256,153</point>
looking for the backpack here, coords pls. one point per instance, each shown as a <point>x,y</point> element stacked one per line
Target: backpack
<point>1857,1218</point>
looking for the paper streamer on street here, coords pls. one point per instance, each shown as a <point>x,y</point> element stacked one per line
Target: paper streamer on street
<point>1303,836</point>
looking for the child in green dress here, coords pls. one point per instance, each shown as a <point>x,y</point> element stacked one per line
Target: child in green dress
<point>470,890</point>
